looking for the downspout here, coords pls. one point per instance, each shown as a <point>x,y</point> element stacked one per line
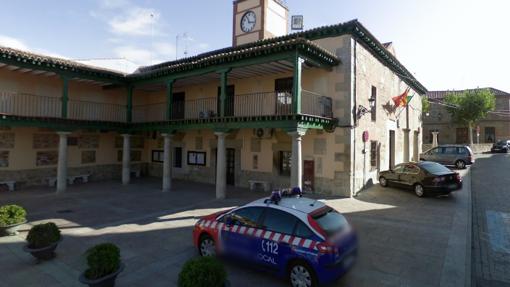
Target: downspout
<point>355,120</point>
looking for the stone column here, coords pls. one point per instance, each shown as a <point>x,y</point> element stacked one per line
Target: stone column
<point>126,159</point>
<point>221,167</point>
<point>167,162</point>
<point>406,145</point>
<point>62,162</point>
<point>434,139</point>
<point>296,172</point>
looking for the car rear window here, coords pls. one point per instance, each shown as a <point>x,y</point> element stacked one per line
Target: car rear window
<point>331,221</point>
<point>435,168</point>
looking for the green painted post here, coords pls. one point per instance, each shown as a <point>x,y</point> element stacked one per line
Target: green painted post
<point>169,99</point>
<point>65,97</point>
<point>223,90</point>
<point>129,104</point>
<point>296,91</point>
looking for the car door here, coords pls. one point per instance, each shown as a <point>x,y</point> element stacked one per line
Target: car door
<point>396,173</point>
<point>235,239</point>
<point>410,175</point>
<point>274,245</point>
<point>449,155</point>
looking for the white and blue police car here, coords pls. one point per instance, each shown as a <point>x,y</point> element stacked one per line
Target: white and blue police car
<point>293,236</point>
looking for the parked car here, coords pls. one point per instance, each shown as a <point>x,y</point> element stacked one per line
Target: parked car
<point>501,146</point>
<point>458,155</point>
<point>299,238</point>
<point>424,178</point>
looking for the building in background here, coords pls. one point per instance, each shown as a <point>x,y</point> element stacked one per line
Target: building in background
<point>275,109</point>
<point>495,127</point>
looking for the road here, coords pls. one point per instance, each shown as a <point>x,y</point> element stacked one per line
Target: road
<point>491,220</point>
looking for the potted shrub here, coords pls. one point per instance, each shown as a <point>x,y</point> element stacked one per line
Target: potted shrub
<point>204,271</point>
<point>11,217</point>
<point>104,265</point>
<point>42,240</point>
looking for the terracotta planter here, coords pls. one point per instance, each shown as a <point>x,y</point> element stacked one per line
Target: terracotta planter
<point>106,281</point>
<point>11,229</point>
<point>44,253</point>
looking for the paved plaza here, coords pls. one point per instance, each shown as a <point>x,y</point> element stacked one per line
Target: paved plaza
<point>404,240</point>
<point>491,220</point>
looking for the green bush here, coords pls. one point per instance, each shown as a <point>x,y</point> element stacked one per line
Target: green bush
<point>42,235</point>
<point>203,272</point>
<point>12,214</point>
<point>102,259</point>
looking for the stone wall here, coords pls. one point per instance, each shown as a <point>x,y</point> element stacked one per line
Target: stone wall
<point>39,176</point>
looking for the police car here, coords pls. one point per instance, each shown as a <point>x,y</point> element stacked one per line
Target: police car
<point>293,236</point>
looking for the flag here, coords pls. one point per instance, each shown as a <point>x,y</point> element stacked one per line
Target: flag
<point>402,99</point>
<point>408,99</point>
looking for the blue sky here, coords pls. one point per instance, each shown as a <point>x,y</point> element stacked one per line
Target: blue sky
<point>447,44</point>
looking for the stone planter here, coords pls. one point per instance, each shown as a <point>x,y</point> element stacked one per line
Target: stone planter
<point>11,229</point>
<point>107,281</point>
<point>44,253</point>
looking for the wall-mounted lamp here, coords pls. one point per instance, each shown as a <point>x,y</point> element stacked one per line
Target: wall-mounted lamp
<point>361,111</point>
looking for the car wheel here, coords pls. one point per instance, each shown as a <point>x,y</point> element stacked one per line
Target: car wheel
<point>383,182</point>
<point>301,275</point>
<point>418,190</point>
<point>206,246</point>
<point>460,164</point>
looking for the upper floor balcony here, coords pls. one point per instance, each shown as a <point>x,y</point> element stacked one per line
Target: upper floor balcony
<point>243,105</point>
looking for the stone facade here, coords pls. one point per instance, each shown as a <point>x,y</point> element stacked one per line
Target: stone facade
<point>493,128</point>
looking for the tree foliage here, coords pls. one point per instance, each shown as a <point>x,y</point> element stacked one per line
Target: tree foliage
<point>469,107</point>
<point>425,105</point>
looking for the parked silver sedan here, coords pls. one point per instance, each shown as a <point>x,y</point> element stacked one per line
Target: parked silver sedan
<point>457,155</point>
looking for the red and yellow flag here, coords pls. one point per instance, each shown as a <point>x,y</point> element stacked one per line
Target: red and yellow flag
<point>403,99</point>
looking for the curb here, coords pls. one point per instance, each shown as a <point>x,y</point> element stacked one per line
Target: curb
<point>456,269</point>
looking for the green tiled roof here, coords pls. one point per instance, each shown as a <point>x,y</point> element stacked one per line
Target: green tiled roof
<point>300,41</point>
<point>48,63</point>
<point>233,54</point>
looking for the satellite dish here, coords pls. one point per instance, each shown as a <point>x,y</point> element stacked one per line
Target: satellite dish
<point>296,22</point>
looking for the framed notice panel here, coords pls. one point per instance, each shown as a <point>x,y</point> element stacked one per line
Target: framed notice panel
<point>196,158</point>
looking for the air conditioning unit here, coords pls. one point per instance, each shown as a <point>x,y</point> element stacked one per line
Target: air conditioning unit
<point>263,133</point>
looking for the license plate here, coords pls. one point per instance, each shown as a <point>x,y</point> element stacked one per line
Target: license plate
<point>452,186</point>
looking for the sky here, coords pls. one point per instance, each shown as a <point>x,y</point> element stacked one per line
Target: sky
<point>446,44</point>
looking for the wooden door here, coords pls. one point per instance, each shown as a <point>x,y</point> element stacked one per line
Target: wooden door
<point>308,175</point>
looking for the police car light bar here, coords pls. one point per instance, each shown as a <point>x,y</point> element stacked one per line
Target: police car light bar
<point>277,195</point>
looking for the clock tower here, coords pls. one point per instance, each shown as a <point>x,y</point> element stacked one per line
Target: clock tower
<point>259,19</point>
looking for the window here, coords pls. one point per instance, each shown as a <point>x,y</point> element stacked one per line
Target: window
<point>331,221</point>
<point>285,162</point>
<point>490,135</point>
<point>279,221</point>
<point>399,168</point>
<point>411,169</point>
<point>196,158</point>
<point>248,216</point>
<point>157,156</point>
<point>373,154</point>
<point>374,104</point>
<point>283,89</point>
<point>450,150</point>
<point>178,157</point>
<point>302,230</point>
<point>462,150</point>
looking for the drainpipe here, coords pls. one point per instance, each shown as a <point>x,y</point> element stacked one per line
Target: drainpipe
<point>355,120</point>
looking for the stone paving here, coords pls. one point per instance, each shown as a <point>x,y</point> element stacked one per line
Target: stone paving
<point>404,240</point>
<point>491,220</point>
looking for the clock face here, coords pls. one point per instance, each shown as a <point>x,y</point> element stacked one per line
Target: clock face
<point>248,21</point>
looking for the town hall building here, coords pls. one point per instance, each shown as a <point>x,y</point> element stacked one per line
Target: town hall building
<point>312,109</point>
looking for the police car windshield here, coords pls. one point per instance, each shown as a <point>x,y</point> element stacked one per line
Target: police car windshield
<point>330,221</point>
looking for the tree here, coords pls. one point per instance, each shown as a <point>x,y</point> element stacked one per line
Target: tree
<point>425,105</point>
<point>469,107</point>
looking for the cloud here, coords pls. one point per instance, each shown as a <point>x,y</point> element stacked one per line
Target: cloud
<point>113,4</point>
<point>139,56</point>
<point>14,43</point>
<point>135,21</point>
